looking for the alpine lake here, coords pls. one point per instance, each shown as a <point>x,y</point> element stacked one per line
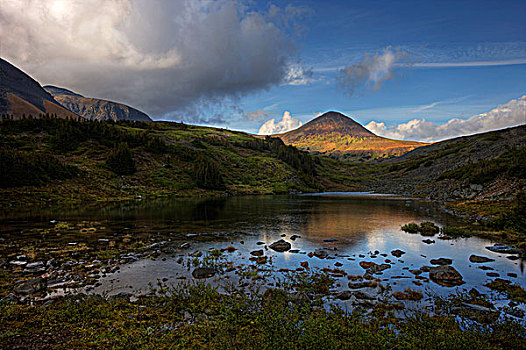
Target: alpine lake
<point>134,248</point>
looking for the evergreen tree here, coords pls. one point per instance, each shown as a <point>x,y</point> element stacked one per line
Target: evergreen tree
<point>207,174</point>
<point>120,160</point>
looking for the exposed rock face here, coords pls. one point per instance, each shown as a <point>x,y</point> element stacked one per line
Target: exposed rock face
<point>94,108</point>
<point>22,95</point>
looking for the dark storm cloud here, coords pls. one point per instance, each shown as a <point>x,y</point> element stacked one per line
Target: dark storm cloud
<point>159,56</point>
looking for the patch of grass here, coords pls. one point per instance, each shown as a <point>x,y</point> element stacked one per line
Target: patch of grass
<point>197,316</point>
<point>411,228</point>
<point>454,231</point>
<point>426,228</point>
<point>512,291</point>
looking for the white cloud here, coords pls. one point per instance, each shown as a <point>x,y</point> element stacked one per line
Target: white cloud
<point>297,74</point>
<point>507,115</point>
<point>373,70</point>
<point>159,56</point>
<point>286,124</point>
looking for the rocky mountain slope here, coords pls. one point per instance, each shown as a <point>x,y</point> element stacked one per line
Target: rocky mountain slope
<point>94,108</point>
<point>22,95</point>
<point>336,135</point>
<point>483,166</point>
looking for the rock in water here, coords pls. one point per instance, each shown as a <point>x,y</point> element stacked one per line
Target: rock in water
<point>346,295</point>
<point>280,246</point>
<point>504,249</point>
<point>257,252</point>
<point>31,286</point>
<point>363,296</point>
<point>397,252</point>
<point>441,261</point>
<point>479,259</point>
<point>445,276</point>
<point>203,272</point>
<point>320,253</point>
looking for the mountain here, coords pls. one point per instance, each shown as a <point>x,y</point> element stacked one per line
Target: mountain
<point>336,135</point>
<point>94,108</point>
<point>487,166</point>
<point>22,95</point>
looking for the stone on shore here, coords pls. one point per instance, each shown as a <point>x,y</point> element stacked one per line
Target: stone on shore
<point>280,246</point>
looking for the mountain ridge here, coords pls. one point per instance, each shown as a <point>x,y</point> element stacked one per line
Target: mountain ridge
<point>339,136</point>
<point>20,95</point>
<point>95,108</point>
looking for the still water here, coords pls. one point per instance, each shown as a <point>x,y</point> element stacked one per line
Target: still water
<point>356,223</point>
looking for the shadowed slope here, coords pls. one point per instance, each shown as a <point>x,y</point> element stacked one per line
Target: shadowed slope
<point>94,108</point>
<point>22,95</point>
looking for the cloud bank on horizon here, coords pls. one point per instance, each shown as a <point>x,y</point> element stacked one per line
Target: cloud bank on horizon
<point>506,115</point>
<point>179,55</point>
<point>287,123</point>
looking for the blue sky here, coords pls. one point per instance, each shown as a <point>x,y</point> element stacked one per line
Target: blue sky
<point>242,63</point>
<point>467,58</point>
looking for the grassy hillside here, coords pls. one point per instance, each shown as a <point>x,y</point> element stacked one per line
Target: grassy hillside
<point>482,177</point>
<point>49,160</point>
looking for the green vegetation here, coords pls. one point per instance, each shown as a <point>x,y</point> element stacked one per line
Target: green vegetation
<point>158,159</point>
<point>411,228</point>
<point>454,232</point>
<point>120,160</point>
<point>426,228</point>
<point>512,291</point>
<point>511,163</point>
<point>198,316</point>
<point>20,168</point>
<point>207,174</point>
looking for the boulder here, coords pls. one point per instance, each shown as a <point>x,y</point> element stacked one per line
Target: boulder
<point>346,295</point>
<point>363,284</point>
<point>320,253</point>
<point>280,246</point>
<point>441,261</point>
<point>257,252</point>
<point>363,296</point>
<point>504,249</point>
<point>479,259</point>
<point>31,286</point>
<point>203,272</point>
<point>446,276</point>
<point>397,253</point>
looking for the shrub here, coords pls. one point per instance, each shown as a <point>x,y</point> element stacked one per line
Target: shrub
<point>453,231</point>
<point>428,228</point>
<point>410,228</point>
<point>31,169</point>
<point>120,160</point>
<point>207,174</point>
